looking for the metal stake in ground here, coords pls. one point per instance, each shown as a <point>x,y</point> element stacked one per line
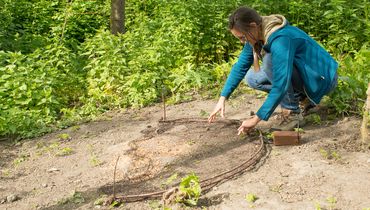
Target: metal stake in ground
<point>114,178</point>
<point>164,104</point>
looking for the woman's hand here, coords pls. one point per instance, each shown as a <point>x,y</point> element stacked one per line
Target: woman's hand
<point>247,125</point>
<point>220,107</point>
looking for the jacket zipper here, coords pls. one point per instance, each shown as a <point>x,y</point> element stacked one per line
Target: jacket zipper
<point>304,89</point>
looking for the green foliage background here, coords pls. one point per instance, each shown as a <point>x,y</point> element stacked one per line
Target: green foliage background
<point>61,65</point>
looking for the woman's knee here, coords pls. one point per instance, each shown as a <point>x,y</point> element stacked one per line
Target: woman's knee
<point>251,81</point>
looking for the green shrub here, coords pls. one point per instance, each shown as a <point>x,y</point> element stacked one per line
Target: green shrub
<point>354,73</point>
<point>35,87</point>
<point>182,47</point>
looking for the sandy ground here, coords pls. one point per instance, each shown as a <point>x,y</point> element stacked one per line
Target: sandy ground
<point>72,168</point>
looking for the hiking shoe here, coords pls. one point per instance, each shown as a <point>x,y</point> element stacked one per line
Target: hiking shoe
<point>306,105</point>
<point>289,121</point>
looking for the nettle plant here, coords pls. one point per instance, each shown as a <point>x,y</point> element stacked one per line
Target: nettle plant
<point>170,47</point>
<point>35,87</point>
<point>354,73</point>
<point>60,64</point>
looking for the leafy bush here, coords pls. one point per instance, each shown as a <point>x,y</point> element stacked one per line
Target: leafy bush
<point>170,47</point>
<point>341,26</point>
<point>29,24</point>
<point>182,47</point>
<point>35,87</point>
<point>354,74</point>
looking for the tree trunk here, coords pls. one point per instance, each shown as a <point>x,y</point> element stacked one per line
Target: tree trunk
<point>117,17</point>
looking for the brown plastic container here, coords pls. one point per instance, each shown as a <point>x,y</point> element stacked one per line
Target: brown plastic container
<point>285,138</point>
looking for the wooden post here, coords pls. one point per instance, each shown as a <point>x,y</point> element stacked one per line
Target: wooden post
<point>164,104</point>
<point>365,135</point>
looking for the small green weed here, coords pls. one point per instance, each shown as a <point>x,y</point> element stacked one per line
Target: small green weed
<point>190,190</point>
<point>251,198</point>
<point>75,198</point>
<point>5,172</point>
<point>94,161</point>
<point>275,152</point>
<point>190,142</point>
<point>314,119</point>
<point>76,128</point>
<point>242,136</point>
<point>332,201</point>
<point>100,201</point>
<point>170,180</point>
<point>332,117</point>
<point>40,145</point>
<point>20,159</point>
<point>276,188</point>
<point>54,149</point>
<point>54,145</point>
<point>261,94</point>
<point>300,130</point>
<point>317,206</point>
<point>115,204</point>
<point>43,148</point>
<point>64,136</point>
<point>328,154</point>
<point>155,205</point>
<point>65,151</point>
<point>335,155</point>
<point>324,153</point>
<point>270,136</point>
<point>203,113</point>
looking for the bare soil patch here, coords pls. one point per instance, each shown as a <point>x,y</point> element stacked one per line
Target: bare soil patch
<point>52,172</point>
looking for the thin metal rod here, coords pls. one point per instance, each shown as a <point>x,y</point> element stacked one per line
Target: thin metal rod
<point>114,178</point>
<point>164,105</point>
